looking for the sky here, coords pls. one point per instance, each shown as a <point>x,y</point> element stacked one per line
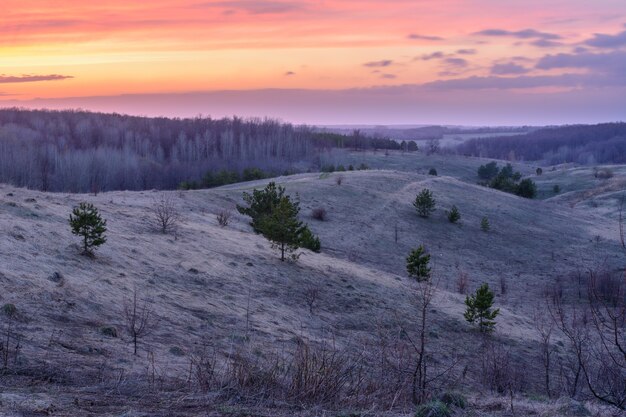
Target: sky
<point>470,62</point>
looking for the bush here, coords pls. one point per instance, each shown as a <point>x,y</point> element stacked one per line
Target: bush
<point>539,171</point>
<point>363,167</point>
<point>454,215</point>
<point>188,185</point>
<point>109,331</point>
<point>223,217</point>
<point>433,409</point>
<point>556,189</point>
<point>319,214</point>
<point>424,203</point>
<point>604,174</point>
<point>86,222</point>
<point>9,310</point>
<point>453,399</point>
<point>488,171</point>
<point>432,171</point>
<point>328,168</point>
<point>339,179</point>
<point>484,224</point>
<point>350,167</point>
<point>526,189</point>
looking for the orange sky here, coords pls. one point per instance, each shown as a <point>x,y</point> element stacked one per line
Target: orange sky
<point>68,48</point>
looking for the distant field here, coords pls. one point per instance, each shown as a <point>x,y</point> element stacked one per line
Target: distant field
<point>453,139</point>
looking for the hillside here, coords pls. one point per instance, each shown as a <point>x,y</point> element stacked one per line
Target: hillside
<point>223,289</point>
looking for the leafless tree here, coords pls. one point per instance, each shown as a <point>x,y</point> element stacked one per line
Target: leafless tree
<point>597,338</point>
<point>223,217</point>
<point>312,295</point>
<point>545,328</point>
<point>424,293</point>
<point>11,342</point>
<point>165,215</point>
<point>139,319</point>
<point>433,146</point>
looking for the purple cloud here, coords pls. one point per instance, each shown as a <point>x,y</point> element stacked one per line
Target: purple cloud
<point>546,43</point>
<point>521,34</point>
<point>378,64</point>
<point>424,37</point>
<point>525,82</point>
<point>600,63</point>
<point>509,68</point>
<point>434,55</point>
<point>388,76</point>
<point>289,73</point>
<point>601,40</point>
<point>9,79</point>
<point>456,62</point>
<point>466,51</point>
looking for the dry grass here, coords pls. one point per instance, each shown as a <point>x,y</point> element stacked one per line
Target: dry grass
<point>222,290</point>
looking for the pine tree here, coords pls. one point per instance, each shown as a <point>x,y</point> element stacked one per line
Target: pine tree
<point>479,309</point>
<point>85,221</point>
<point>484,224</point>
<point>454,215</point>
<point>282,227</point>
<point>260,203</point>
<point>424,203</point>
<point>526,189</point>
<point>308,240</point>
<point>417,264</point>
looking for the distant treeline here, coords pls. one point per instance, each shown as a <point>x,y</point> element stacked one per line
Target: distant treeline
<point>584,144</point>
<point>422,132</point>
<point>79,151</point>
<point>357,140</point>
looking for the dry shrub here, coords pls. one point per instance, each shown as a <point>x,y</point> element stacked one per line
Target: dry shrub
<point>462,282</point>
<point>319,213</point>
<point>165,216</point>
<point>604,173</point>
<point>339,179</point>
<point>499,372</point>
<point>223,217</point>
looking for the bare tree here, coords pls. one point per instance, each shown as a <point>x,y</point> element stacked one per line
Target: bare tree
<point>545,327</point>
<point>165,215</point>
<point>597,337</point>
<point>11,342</point>
<point>424,293</point>
<point>139,319</point>
<point>433,146</point>
<point>312,295</point>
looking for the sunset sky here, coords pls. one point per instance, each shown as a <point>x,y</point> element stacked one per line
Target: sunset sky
<point>475,62</point>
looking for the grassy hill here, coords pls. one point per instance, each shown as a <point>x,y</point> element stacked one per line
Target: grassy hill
<point>222,292</point>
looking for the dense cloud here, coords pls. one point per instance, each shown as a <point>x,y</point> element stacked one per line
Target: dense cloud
<point>607,41</point>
